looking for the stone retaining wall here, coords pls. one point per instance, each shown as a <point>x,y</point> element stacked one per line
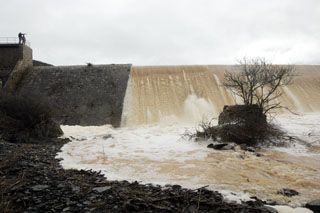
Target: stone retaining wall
<point>80,95</point>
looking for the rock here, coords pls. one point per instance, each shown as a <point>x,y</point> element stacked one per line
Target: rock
<point>259,155</point>
<point>61,185</point>
<point>288,192</point>
<point>39,187</point>
<point>222,146</point>
<point>269,209</point>
<point>87,202</point>
<point>245,114</point>
<point>250,149</point>
<point>107,136</point>
<point>210,146</point>
<point>101,189</point>
<point>271,202</point>
<point>314,206</point>
<point>176,187</point>
<point>75,188</point>
<point>66,209</point>
<point>242,124</point>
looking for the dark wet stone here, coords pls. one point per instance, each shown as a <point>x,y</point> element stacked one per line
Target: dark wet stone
<point>75,188</point>
<point>39,187</point>
<point>101,189</point>
<point>259,155</point>
<point>222,146</point>
<point>218,146</point>
<point>250,149</point>
<point>210,146</point>
<point>269,209</point>
<point>288,192</point>
<point>66,209</point>
<point>61,185</point>
<point>176,187</point>
<point>107,136</point>
<point>314,206</point>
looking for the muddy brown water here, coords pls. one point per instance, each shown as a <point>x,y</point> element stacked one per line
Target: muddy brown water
<point>156,92</point>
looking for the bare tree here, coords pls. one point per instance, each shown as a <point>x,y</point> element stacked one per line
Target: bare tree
<point>256,81</point>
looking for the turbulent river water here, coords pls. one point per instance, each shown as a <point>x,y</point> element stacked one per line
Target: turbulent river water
<point>163,102</point>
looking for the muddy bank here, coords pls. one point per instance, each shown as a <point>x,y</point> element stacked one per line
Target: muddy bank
<point>33,181</point>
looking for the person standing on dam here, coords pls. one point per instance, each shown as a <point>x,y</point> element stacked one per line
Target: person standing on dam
<point>22,38</point>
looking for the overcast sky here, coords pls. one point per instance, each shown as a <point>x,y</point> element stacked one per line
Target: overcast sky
<point>148,32</point>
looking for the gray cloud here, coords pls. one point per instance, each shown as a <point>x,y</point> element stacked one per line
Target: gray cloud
<point>166,31</point>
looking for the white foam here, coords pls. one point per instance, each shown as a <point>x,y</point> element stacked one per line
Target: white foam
<point>197,108</point>
<point>150,148</point>
<point>304,127</point>
<point>287,209</point>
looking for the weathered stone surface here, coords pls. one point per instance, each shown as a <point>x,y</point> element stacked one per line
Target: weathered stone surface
<point>242,124</point>
<point>81,95</point>
<point>242,114</point>
<point>14,61</point>
<point>16,75</point>
<point>11,53</point>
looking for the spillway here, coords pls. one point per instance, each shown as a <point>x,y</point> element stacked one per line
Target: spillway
<point>190,93</point>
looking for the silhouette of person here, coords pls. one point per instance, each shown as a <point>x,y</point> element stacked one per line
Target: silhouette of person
<point>20,37</point>
<point>23,38</point>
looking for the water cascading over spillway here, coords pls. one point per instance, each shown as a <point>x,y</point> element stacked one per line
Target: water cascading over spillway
<point>190,93</point>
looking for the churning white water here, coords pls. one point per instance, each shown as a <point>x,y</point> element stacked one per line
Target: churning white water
<point>158,154</point>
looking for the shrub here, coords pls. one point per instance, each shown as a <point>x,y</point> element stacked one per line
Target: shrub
<point>241,124</point>
<point>23,118</point>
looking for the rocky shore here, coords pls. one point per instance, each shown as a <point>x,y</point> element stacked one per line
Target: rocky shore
<point>31,180</point>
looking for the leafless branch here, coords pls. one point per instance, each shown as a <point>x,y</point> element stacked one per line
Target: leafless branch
<point>256,81</point>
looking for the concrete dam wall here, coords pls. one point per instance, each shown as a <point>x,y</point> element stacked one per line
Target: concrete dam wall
<point>80,95</point>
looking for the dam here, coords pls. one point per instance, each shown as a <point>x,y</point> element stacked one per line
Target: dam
<point>128,95</point>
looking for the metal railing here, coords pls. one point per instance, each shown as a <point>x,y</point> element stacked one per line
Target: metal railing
<point>11,40</point>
